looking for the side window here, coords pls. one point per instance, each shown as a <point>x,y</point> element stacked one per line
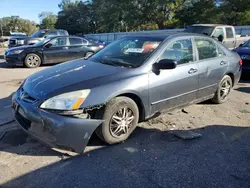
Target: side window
<point>218,32</point>
<point>85,42</point>
<point>52,33</point>
<point>62,33</point>
<point>220,51</point>
<point>180,51</point>
<point>75,41</point>
<point>206,48</point>
<point>61,41</point>
<point>229,32</point>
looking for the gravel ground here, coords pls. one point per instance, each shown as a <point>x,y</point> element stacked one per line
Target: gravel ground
<point>152,157</point>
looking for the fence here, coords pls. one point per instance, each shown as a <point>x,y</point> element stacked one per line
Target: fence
<point>109,37</point>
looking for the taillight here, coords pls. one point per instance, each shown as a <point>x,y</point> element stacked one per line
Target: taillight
<point>241,62</point>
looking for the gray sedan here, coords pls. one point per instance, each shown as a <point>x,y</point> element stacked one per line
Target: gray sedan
<point>129,81</point>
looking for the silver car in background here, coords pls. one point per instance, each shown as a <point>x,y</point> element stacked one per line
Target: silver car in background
<point>130,80</point>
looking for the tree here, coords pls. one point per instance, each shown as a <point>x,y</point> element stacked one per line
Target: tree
<point>198,11</point>
<point>48,20</point>
<point>16,24</point>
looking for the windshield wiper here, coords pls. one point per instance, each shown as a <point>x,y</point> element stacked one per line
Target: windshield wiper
<point>116,63</point>
<point>108,62</point>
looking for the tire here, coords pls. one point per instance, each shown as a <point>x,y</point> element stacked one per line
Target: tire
<point>88,54</point>
<point>32,61</point>
<point>111,114</point>
<point>223,91</point>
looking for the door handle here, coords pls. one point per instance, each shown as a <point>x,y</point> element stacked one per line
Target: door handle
<point>65,47</point>
<point>192,71</point>
<point>223,63</point>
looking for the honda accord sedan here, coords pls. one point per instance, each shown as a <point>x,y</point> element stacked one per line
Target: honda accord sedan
<point>131,80</point>
<point>52,50</point>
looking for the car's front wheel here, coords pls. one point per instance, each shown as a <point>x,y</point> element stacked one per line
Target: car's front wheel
<point>88,54</point>
<point>121,117</point>
<point>32,61</point>
<point>223,90</point>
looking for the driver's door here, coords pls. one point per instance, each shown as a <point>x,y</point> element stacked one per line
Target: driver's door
<point>172,88</point>
<point>58,51</point>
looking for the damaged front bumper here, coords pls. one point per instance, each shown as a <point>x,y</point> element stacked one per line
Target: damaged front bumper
<point>55,130</point>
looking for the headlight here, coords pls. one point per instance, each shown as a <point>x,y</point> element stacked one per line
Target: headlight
<point>20,42</point>
<point>14,52</point>
<point>66,101</point>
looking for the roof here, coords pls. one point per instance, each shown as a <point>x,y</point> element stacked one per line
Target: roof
<point>209,25</point>
<point>164,35</point>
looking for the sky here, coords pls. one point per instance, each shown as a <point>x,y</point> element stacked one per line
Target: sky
<point>28,9</point>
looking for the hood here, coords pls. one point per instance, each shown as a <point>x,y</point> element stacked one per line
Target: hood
<point>243,51</point>
<point>19,38</point>
<point>43,83</point>
<point>20,47</point>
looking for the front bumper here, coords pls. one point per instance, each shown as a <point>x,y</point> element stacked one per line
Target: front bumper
<point>14,59</point>
<point>55,130</point>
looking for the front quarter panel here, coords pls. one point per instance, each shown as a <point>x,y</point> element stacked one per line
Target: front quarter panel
<point>137,85</point>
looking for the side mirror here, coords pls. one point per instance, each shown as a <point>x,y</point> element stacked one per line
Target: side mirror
<point>48,45</point>
<point>220,38</point>
<point>165,64</point>
<point>241,45</point>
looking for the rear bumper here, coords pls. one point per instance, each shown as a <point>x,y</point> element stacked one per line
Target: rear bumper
<point>55,130</point>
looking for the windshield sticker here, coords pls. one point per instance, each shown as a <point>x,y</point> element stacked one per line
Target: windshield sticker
<point>134,50</point>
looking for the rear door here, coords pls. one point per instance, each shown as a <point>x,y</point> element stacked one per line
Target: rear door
<point>230,40</point>
<point>212,65</point>
<point>58,51</point>
<point>172,88</point>
<point>77,47</point>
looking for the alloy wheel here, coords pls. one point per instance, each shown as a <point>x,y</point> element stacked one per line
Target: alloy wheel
<point>121,122</point>
<point>225,89</point>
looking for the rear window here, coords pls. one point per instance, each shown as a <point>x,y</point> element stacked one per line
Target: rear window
<point>75,41</point>
<point>206,48</point>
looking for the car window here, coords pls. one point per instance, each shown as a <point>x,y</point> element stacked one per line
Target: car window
<point>128,51</point>
<point>218,32</point>
<point>206,48</point>
<point>62,33</point>
<point>229,32</point>
<point>75,41</point>
<point>220,51</point>
<point>61,41</point>
<point>85,42</point>
<point>180,51</point>
<point>52,33</point>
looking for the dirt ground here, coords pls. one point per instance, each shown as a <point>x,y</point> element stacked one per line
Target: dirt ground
<point>152,157</point>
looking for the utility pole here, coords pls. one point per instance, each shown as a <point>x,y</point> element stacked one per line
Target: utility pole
<point>1,26</point>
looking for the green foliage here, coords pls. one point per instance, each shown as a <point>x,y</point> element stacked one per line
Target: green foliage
<point>48,20</point>
<point>96,16</point>
<point>16,24</point>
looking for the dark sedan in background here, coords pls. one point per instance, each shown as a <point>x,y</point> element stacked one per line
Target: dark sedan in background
<point>244,51</point>
<point>52,50</point>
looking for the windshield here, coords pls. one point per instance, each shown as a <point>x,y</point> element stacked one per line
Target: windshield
<point>246,44</point>
<point>38,34</point>
<point>206,30</point>
<point>127,52</point>
<point>42,42</point>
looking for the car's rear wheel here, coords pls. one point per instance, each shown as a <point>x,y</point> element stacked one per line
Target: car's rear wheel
<point>121,117</point>
<point>223,90</point>
<point>32,61</point>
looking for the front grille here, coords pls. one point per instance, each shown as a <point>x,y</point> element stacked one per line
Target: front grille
<point>25,123</point>
<point>12,42</point>
<point>26,97</point>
